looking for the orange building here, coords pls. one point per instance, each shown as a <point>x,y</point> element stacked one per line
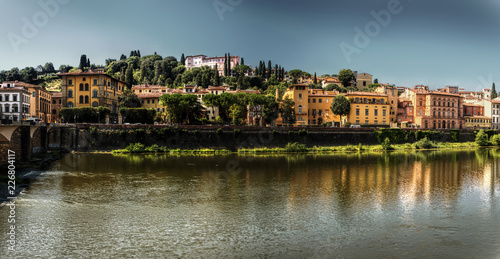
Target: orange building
<point>91,88</point>
<point>436,110</point>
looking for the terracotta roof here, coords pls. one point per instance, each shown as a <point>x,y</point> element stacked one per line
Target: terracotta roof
<point>147,86</point>
<point>20,83</point>
<point>217,88</point>
<point>366,93</point>
<point>472,104</point>
<point>89,73</point>
<point>478,117</point>
<point>149,95</point>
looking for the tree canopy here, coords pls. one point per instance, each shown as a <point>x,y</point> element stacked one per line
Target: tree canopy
<point>340,106</point>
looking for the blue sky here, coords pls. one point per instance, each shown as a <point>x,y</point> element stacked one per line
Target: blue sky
<point>436,43</point>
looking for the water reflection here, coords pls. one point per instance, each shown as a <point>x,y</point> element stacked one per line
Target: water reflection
<point>347,205</point>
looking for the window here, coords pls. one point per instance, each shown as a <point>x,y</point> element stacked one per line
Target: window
<point>356,100</point>
<point>95,82</point>
<point>366,112</point>
<point>83,79</point>
<point>365,100</point>
<point>376,112</point>
<point>81,87</point>
<point>357,122</point>
<point>357,112</point>
<point>86,99</point>
<point>14,98</point>
<point>384,113</point>
<point>152,101</point>
<point>70,105</point>
<point>327,112</point>
<point>300,109</point>
<point>7,108</point>
<point>86,87</point>
<point>320,100</point>
<point>95,104</point>
<point>70,93</point>
<point>7,98</point>
<point>70,81</point>
<point>420,103</point>
<point>81,98</point>
<point>326,100</point>
<point>148,101</point>
<point>300,96</point>
<point>34,94</point>
<point>366,122</point>
<point>1,97</point>
<point>320,112</point>
<point>94,93</point>
<point>314,100</point>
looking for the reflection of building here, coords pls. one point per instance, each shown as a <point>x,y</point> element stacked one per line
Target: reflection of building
<point>15,101</point>
<point>91,89</point>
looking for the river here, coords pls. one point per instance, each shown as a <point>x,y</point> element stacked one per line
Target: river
<point>440,204</point>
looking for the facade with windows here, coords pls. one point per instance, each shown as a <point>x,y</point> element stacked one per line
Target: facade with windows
<point>495,114</point>
<point>92,88</point>
<point>212,62</point>
<point>56,105</point>
<point>41,103</point>
<point>15,101</point>
<point>436,109</point>
<point>312,106</point>
<point>369,108</point>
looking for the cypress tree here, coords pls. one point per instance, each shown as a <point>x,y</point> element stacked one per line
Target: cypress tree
<point>242,61</point>
<point>494,93</point>
<point>315,79</point>
<point>225,64</point>
<point>269,68</point>
<point>138,53</point>
<point>229,64</point>
<point>183,59</point>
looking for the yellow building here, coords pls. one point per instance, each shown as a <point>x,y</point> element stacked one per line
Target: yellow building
<point>392,97</point>
<point>151,101</point>
<point>363,80</point>
<point>477,122</point>
<point>91,88</point>
<point>368,108</point>
<point>312,106</point>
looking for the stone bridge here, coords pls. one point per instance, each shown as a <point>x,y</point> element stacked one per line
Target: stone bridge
<point>28,141</point>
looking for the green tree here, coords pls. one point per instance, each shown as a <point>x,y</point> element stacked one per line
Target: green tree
<point>123,57</point>
<point>331,87</point>
<point>493,92</point>
<point>49,68</point>
<point>295,73</point>
<point>340,106</point>
<point>28,74</point>
<point>83,62</point>
<point>182,108</point>
<point>375,81</point>
<point>315,79</point>
<point>183,59</point>
<point>287,111</point>
<point>346,76</point>
<point>129,76</point>
<point>482,138</point>
<point>237,114</point>
<point>242,61</point>
<point>129,99</point>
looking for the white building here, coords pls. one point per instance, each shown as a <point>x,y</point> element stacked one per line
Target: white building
<point>202,60</point>
<point>495,114</point>
<point>15,102</point>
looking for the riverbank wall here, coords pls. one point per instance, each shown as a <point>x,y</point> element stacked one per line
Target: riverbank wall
<point>233,138</point>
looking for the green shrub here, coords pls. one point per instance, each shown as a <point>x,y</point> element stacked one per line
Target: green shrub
<point>347,125</point>
<point>455,135</point>
<point>218,131</point>
<point>275,133</point>
<point>295,147</point>
<point>139,134</point>
<point>123,134</point>
<point>386,145</point>
<point>93,132</point>
<point>196,133</point>
<point>495,140</point>
<point>303,132</point>
<point>135,148</point>
<point>482,139</point>
<point>425,143</point>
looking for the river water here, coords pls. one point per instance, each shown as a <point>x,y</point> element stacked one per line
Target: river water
<point>381,205</point>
